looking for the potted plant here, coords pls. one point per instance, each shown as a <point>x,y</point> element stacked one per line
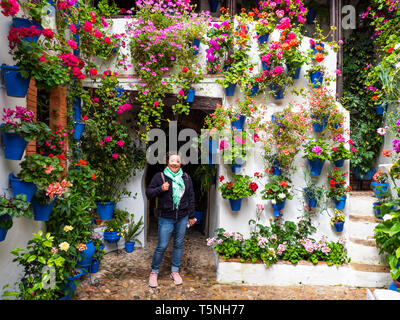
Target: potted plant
<point>44,199</point>
<point>338,188</point>
<point>17,129</point>
<point>312,193</point>
<point>294,58</point>
<point>241,187</point>
<point>235,149</point>
<point>113,230</point>
<point>98,253</point>
<point>278,189</point>
<point>37,172</point>
<point>264,26</point>
<point>316,151</point>
<point>131,232</point>
<point>380,207</point>
<point>380,183</point>
<point>339,151</point>
<point>12,208</point>
<point>38,260</point>
<point>337,221</point>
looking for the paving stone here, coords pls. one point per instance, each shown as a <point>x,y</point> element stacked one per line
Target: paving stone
<point>125,276</point>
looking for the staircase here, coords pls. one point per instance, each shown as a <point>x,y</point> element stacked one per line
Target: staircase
<point>368,266</point>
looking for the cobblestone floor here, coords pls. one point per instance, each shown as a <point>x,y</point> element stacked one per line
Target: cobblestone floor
<point>125,276</point>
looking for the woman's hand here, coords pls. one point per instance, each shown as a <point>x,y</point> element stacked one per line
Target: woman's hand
<point>165,186</point>
<point>192,221</point>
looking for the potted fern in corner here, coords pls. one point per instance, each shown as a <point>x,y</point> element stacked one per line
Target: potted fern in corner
<point>131,232</point>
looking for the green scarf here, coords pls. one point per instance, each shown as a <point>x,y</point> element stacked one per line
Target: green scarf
<point>178,186</point>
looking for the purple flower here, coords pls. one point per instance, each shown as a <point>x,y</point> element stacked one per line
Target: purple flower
<point>396,145</point>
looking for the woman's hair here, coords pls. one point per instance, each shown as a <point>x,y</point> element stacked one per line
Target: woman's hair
<point>168,155</point>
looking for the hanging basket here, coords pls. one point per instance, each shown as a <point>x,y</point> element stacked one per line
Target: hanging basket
<point>21,187</point>
<point>338,226</point>
<point>22,22</point>
<point>317,78</point>
<point>105,210</point>
<point>316,166</point>
<point>14,145</point>
<point>230,90</point>
<point>16,85</point>
<point>341,203</point>
<point>235,204</point>
<point>278,207</point>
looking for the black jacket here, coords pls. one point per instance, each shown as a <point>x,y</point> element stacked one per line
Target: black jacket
<point>166,208</point>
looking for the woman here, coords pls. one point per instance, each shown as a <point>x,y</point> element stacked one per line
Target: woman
<point>176,207</point>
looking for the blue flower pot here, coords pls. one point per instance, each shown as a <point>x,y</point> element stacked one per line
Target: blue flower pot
<point>296,74</point>
<point>394,286</point>
<point>316,166</point>
<point>279,91</point>
<point>320,124</point>
<point>379,188</point>
<point>236,168</point>
<point>311,14</point>
<point>111,236</point>
<point>379,108</point>
<point>254,90</point>
<point>264,38</point>
<point>196,42</point>
<point>21,187</point>
<point>94,266</point>
<point>311,201</point>
<point>14,145</point>
<point>377,210</point>
<point>340,204</point>
<point>190,95</point>
<point>105,210</point>
<point>339,163</point>
<point>3,232</point>
<point>367,176</point>
<point>42,212</point>
<point>22,22</point>
<point>199,216</point>
<point>338,226</point>
<point>129,246</point>
<point>238,124</point>
<point>317,78</point>
<point>70,285</point>
<point>230,91</point>
<point>278,207</point>
<point>213,5</point>
<point>16,85</point>
<point>236,204</point>
<point>78,130</point>
<point>86,256</point>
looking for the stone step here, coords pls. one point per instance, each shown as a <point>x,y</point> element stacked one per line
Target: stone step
<point>364,218</point>
<point>365,254</point>
<point>362,228</point>
<point>361,205</point>
<point>364,267</point>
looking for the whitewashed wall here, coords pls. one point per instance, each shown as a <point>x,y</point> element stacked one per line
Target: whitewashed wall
<point>21,232</point>
<point>221,214</point>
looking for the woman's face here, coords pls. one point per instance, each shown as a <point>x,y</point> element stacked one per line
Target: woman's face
<point>174,163</point>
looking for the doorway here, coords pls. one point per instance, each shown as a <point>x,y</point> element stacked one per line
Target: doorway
<point>202,175</point>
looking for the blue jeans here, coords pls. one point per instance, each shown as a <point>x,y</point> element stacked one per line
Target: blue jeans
<point>167,227</point>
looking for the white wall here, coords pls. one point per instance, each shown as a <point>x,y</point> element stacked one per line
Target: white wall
<point>221,214</point>
<point>21,232</point>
